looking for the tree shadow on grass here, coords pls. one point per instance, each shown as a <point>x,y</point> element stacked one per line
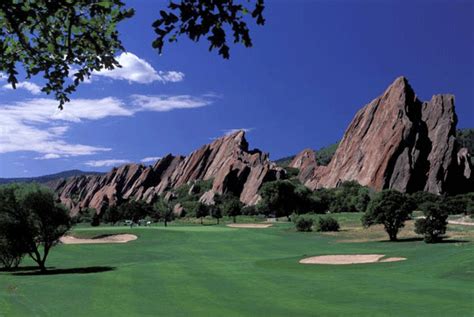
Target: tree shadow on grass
<point>30,271</point>
<point>417,239</point>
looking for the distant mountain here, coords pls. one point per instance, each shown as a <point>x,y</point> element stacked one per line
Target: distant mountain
<point>47,178</point>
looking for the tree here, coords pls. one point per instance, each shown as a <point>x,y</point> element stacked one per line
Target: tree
<point>349,197</point>
<point>284,197</point>
<point>421,198</point>
<point>72,38</point>
<point>135,210</point>
<point>391,209</point>
<point>111,215</point>
<point>433,226</point>
<point>279,197</point>
<point>10,254</point>
<point>164,210</point>
<point>215,212</point>
<point>231,207</point>
<point>95,222</point>
<point>31,218</point>
<point>326,224</point>
<point>201,211</point>
<point>84,215</point>
<point>459,204</point>
<point>303,224</point>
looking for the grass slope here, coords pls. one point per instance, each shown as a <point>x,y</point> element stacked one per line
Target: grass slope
<point>191,270</point>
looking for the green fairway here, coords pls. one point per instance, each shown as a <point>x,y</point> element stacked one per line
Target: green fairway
<point>193,270</point>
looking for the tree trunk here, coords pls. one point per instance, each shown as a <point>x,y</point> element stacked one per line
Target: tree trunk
<point>201,221</point>
<point>234,219</point>
<point>42,266</point>
<point>166,223</point>
<point>217,220</point>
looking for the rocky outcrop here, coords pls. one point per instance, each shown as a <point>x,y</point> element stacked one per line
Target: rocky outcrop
<point>227,161</point>
<point>397,142</point>
<point>306,162</point>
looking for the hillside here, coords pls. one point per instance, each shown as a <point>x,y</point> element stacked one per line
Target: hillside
<point>323,156</point>
<point>47,178</point>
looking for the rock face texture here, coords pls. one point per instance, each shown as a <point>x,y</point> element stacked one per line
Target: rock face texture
<point>306,162</point>
<point>396,142</point>
<point>228,161</point>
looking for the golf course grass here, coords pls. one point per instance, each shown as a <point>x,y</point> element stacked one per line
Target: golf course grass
<point>194,270</point>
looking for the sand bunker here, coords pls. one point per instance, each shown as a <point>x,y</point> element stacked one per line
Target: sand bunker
<point>116,238</point>
<point>348,259</point>
<point>250,225</point>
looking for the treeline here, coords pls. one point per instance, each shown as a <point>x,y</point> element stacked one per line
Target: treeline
<point>281,198</point>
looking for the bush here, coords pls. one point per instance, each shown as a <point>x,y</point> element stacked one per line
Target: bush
<point>326,224</point>
<point>250,210</point>
<point>433,226</point>
<point>304,224</point>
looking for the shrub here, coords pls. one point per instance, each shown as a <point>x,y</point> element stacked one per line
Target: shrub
<point>326,224</point>
<point>250,210</point>
<point>304,224</point>
<point>433,226</point>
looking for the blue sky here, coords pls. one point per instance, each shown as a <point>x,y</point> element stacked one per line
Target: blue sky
<point>313,65</point>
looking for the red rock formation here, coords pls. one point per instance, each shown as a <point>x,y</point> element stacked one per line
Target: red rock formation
<point>306,162</point>
<point>397,142</point>
<point>228,161</point>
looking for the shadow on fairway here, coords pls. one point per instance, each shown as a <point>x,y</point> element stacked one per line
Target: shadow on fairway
<point>417,239</point>
<point>29,271</point>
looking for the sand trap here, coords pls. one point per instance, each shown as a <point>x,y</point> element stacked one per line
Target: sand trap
<point>348,259</point>
<point>395,259</point>
<point>249,225</point>
<point>116,238</point>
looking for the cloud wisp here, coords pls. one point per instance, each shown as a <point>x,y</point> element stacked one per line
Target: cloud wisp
<point>106,163</point>
<point>150,159</point>
<point>29,86</point>
<point>232,131</point>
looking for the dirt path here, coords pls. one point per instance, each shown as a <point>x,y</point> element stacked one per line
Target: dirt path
<point>116,238</point>
<point>463,223</point>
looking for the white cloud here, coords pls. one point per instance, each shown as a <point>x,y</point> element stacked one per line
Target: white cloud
<point>48,156</point>
<point>36,125</point>
<point>106,163</point>
<point>137,70</point>
<point>87,109</point>
<point>167,103</point>
<point>31,125</point>
<point>172,76</point>
<point>31,87</point>
<point>150,159</point>
<point>232,131</point>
